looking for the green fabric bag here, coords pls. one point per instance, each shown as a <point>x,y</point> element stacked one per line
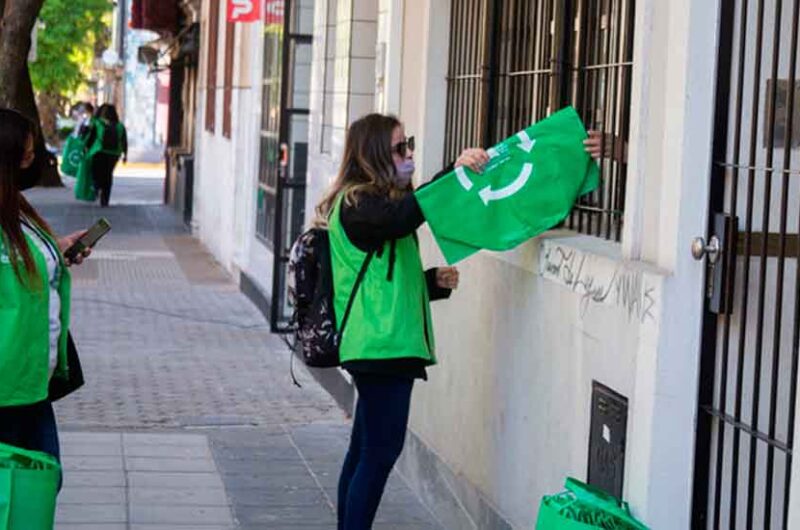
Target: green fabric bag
<point>84,187</point>
<point>584,507</point>
<point>529,186</point>
<point>28,489</point>
<point>72,155</point>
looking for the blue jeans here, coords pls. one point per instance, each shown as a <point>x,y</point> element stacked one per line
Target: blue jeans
<point>379,432</point>
<point>31,427</point>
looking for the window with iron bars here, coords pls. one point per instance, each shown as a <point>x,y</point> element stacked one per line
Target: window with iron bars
<point>514,62</point>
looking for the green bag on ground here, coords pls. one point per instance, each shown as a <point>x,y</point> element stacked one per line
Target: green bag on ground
<point>28,489</point>
<point>72,155</point>
<point>583,507</point>
<point>529,186</point>
<point>84,187</point>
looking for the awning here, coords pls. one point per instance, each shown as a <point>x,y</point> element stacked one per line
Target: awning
<point>155,15</point>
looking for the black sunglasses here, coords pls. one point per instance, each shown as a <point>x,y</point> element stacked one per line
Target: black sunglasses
<point>403,147</point>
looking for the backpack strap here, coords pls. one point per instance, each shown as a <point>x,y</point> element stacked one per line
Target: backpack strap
<point>356,285</point>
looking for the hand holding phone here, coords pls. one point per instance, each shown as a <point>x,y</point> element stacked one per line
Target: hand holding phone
<point>87,240</point>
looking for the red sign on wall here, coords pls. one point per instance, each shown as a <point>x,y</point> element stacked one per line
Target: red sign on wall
<point>273,12</point>
<point>244,10</point>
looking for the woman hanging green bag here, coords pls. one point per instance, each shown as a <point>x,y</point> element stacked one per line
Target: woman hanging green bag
<point>583,507</point>
<point>28,489</point>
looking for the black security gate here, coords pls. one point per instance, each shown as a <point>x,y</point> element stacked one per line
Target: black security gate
<point>288,37</point>
<point>749,361</point>
<point>514,62</point>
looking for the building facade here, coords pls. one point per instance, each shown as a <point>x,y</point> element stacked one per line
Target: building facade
<point>618,348</point>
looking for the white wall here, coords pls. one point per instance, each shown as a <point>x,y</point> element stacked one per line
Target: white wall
<point>226,168</point>
<point>519,348</point>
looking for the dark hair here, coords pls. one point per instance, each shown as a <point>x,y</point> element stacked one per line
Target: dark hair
<point>15,132</point>
<point>367,164</point>
<point>88,107</point>
<point>108,112</point>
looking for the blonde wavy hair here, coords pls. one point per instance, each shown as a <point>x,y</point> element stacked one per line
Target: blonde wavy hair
<point>367,165</point>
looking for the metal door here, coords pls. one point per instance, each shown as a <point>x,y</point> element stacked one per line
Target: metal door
<point>293,161</point>
<point>749,359</point>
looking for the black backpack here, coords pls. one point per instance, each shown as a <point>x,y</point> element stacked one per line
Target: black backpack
<point>310,291</point>
<point>110,140</point>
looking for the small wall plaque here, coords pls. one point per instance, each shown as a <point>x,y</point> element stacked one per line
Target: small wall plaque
<point>607,437</point>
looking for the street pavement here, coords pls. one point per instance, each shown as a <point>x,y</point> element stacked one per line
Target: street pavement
<point>189,418</point>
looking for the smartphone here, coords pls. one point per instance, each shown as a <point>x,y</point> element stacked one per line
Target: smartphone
<point>89,239</point>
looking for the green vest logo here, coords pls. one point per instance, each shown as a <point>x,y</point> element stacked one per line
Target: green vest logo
<point>529,185</point>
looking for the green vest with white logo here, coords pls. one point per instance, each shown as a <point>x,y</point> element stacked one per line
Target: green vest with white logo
<point>390,317</point>
<point>25,330</point>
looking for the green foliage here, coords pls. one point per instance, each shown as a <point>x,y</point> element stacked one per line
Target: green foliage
<point>69,35</point>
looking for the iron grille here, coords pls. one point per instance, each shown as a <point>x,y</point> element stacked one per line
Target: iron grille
<point>514,62</point>
<point>749,366</point>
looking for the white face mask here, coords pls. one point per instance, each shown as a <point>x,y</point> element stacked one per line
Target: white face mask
<point>404,171</point>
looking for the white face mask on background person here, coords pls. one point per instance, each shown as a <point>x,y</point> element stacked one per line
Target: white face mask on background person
<point>404,171</point>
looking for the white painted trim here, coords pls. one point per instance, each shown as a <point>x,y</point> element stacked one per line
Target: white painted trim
<point>394,57</point>
<point>794,496</point>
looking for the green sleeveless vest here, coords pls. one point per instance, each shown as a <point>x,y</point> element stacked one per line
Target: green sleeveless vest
<point>97,145</point>
<point>25,331</point>
<point>390,318</point>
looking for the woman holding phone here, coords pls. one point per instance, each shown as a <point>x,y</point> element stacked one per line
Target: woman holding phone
<point>388,342</point>
<point>34,298</point>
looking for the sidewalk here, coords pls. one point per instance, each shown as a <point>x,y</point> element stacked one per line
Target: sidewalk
<point>189,418</point>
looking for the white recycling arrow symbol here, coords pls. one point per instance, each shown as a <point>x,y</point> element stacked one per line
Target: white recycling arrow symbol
<point>487,194</point>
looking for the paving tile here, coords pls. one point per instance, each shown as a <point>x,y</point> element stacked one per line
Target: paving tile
<point>91,449</point>
<point>180,515</point>
<point>177,497</point>
<point>100,479</point>
<point>91,513</point>
<point>92,463</point>
<point>170,465</point>
<point>276,496</point>
<point>278,515</point>
<point>129,439</point>
<point>142,479</point>
<point>84,526</point>
<point>92,495</point>
<point>167,451</point>
<point>194,526</point>
<point>72,437</point>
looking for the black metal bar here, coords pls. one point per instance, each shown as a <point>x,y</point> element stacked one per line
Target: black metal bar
<point>615,164</point>
<point>751,471</point>
<point>787,160</point>
<point>607,166</point>
<point>748,429</point>
<point>626,112</point>
<point>776,53</point>
<point>760,169</point>
<point>738,393</point>
<point>283,131</point>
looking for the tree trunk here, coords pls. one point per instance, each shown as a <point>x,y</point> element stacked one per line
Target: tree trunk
<point>16,89</point>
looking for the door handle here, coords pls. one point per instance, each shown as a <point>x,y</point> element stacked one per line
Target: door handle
<point>710,251</point>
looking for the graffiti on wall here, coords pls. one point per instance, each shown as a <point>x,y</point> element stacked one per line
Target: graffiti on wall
<point>598,280</point>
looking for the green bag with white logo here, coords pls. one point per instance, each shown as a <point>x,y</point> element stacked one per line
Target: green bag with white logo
<point>28,489</point>
<point>84,186</point>
<point>584,507</point>
<point>529,186</point>
<point>72,155</point>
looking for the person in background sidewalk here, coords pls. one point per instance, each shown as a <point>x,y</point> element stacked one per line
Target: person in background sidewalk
<point>85,112</point>
<point>106,142</point>
<point>388,342</point>
<point>34,298</point>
